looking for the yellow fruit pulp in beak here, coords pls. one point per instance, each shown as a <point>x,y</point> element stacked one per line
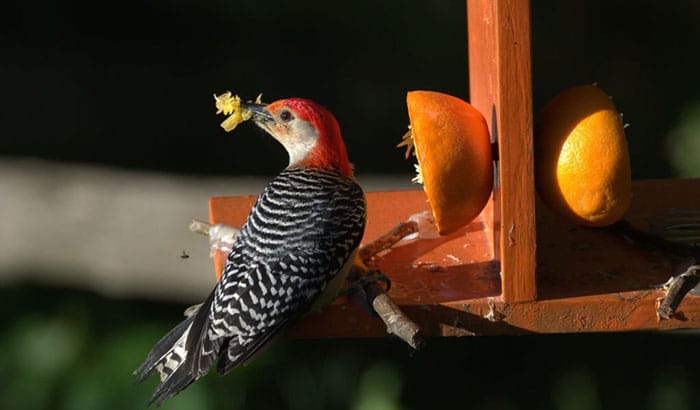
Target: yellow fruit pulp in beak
<point>228,104</point>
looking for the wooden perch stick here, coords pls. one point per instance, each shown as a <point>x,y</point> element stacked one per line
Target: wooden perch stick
<point>200,227</point>
<point>678,287</point>
<point>387,240</point>
<point>397,323</point>
<point>221,237</point>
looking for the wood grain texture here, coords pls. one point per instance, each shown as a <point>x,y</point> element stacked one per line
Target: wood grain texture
<point>500,87</point>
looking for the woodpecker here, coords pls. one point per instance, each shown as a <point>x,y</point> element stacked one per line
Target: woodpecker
<point>292,255</point>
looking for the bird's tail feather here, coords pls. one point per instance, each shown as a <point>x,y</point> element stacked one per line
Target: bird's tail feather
<point>167,358</point>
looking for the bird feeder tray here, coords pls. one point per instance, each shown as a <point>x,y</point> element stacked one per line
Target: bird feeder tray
<point>517,268</point>
<point>588,280</point>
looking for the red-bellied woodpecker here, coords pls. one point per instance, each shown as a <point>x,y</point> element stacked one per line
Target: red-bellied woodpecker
<point>292,255</point>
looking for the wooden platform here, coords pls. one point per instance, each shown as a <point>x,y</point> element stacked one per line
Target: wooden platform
<point>587,279</point>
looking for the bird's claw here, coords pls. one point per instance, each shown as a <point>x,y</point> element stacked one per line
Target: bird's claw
<point>376,276</point>
<point>357,287</point>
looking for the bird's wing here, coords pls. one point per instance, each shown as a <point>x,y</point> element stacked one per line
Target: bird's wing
<point>241,320</point>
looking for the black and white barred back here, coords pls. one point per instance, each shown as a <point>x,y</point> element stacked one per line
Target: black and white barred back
<point>300,234</point>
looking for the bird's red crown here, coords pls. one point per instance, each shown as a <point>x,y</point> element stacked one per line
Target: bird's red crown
<point>329,152</point>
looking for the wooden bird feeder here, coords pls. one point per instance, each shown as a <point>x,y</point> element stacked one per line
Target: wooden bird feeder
<point>516,268</point>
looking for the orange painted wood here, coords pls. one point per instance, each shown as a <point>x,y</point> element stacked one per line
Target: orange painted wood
<point>589,280</point>
<point>500,87</point>
<point>228,211</point>
<point>575,261</point>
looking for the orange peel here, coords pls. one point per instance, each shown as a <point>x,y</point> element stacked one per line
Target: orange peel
<point>453,148</point>
<point>582,164</point>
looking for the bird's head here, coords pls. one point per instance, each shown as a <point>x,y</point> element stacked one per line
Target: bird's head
<point>308,131</point>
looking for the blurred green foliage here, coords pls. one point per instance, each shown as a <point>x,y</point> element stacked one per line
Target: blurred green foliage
<point>74,350</point>
<point>684,143</point>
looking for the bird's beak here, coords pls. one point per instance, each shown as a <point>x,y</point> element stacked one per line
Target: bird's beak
<point>260,113</point>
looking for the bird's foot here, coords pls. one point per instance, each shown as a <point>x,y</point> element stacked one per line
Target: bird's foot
<point>358,284</point>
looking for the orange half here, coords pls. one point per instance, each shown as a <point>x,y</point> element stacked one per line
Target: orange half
<point>453,148</point>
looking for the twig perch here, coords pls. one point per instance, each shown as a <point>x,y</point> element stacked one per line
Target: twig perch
<point>200,227</point>
<point>221,237</point>
<point>397,323</point>
<point>387,240</point>
<point>678,287</point>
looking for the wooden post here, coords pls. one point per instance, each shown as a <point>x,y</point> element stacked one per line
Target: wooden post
<point>500,87</point>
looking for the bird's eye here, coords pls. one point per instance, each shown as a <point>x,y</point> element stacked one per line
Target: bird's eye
<point>286,115</point>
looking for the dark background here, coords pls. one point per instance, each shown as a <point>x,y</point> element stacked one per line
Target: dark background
<point>130,85</point>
